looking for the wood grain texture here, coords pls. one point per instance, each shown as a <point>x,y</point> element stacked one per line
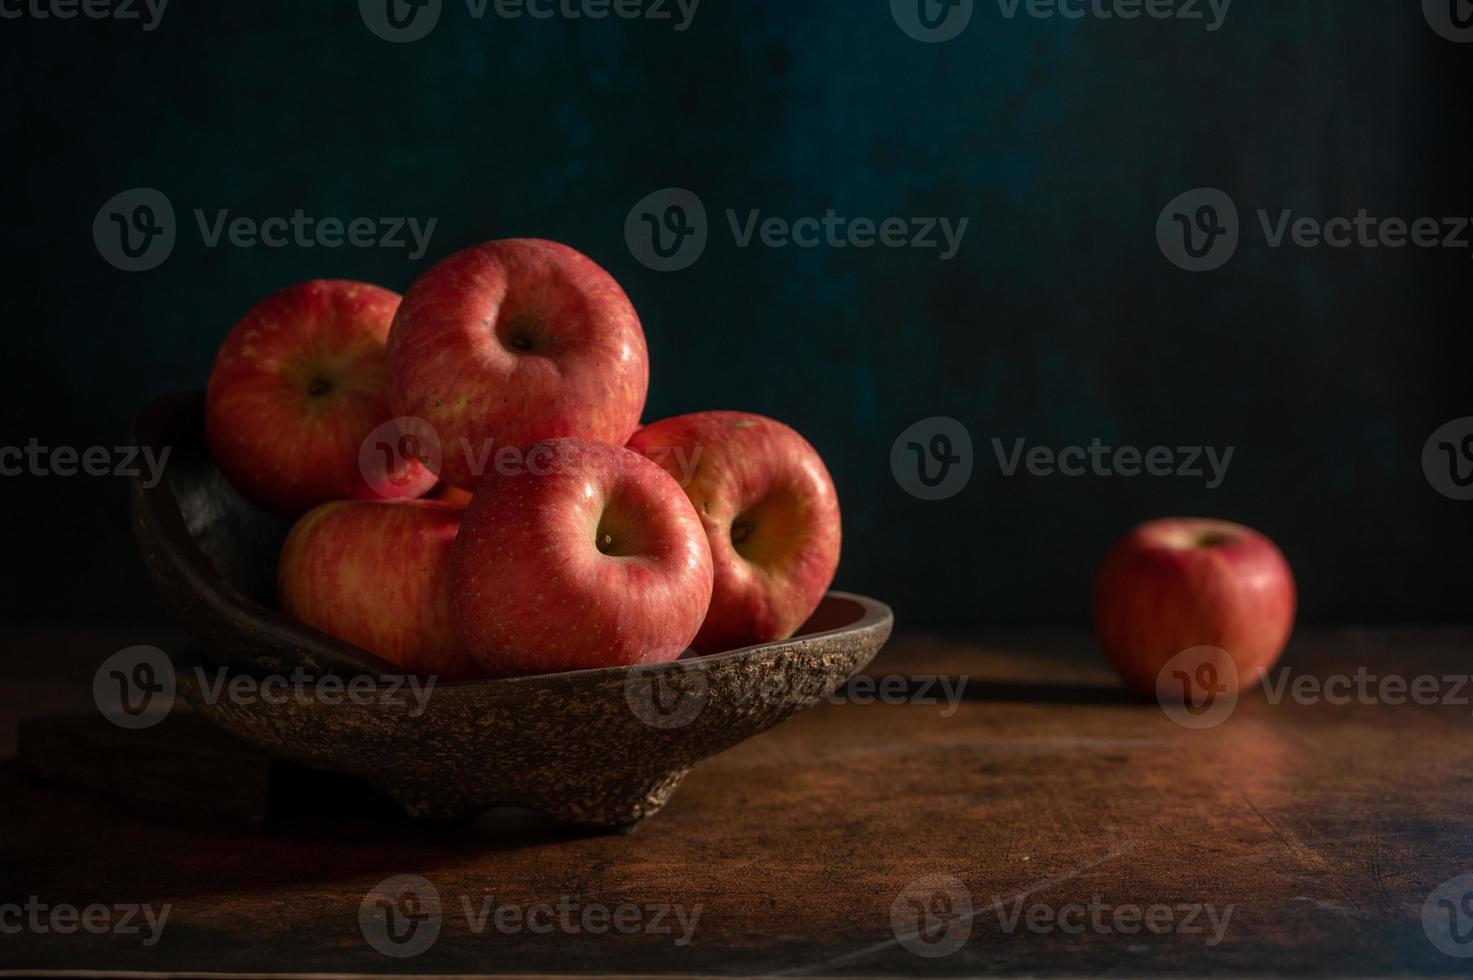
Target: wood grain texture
<point>1324,828</point>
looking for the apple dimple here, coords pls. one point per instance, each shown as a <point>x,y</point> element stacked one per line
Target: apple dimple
<point>614,538</point>
<point>523,333</point>
<point>741,530</point>
<point>770,530</point>
<point>1193,534</point>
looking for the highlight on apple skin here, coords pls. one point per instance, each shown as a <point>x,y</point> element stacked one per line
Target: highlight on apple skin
<point>1176,584</point>
<point>587,556</point>
<point>375,573</point>
<point>514,342</point>
<point>297,386</point>
<point>769,511</point>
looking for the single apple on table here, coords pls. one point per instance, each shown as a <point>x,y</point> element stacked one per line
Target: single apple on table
<point>515,342</point>
<point>375,573</point>
<point>298,385</point>
<point>1177,584</point>
<point>586,555</point>
<point>771,515</point>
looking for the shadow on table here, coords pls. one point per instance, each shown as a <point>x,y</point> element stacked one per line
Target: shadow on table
<point>918,690</point>
<point>1009,692</point>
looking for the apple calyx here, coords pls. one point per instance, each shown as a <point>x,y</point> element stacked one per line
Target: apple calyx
<point>741,530</point>
<point>523,333</point>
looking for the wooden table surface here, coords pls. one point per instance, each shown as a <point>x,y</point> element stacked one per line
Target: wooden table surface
<point>1294,838</point>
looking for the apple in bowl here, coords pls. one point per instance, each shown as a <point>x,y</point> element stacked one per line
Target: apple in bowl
<point>769,511</point>
<point>300,382</point>
<point>1181,584</point>
<point>580,555</point>
<point>375,573</point>
<point>515,342</point>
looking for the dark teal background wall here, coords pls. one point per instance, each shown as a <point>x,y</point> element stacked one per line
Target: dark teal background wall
<point>1059,320</point>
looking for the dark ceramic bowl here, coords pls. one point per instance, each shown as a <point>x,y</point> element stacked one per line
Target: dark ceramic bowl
<point>595,747</point>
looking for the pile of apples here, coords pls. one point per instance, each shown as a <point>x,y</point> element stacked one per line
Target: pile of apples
<point>510,381</point>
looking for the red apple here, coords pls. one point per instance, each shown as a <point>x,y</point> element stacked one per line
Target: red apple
<point>298,385</point>
<point>1177,584</point>
<point>583,555</point>
<point>374,573</point>
<point>514,342</point>
<point>770,512</point>
<point>454,495</point>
